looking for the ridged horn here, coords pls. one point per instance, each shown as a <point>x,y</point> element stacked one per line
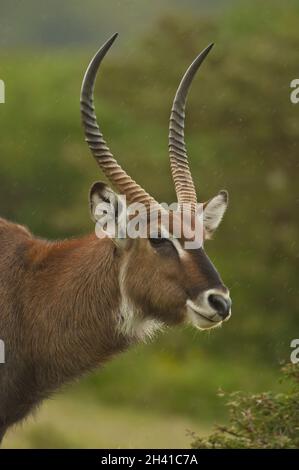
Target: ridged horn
<point>180,170</point>
<point>94,137</point>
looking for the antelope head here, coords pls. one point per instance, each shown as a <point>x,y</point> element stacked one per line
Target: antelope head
<point>161,280</point>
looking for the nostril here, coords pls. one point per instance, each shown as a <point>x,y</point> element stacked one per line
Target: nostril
<point>221,304</point>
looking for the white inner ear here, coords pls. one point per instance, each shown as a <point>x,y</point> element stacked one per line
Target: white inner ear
<point>214,211</point>
<point>106,196</point>
<point>95,200</point>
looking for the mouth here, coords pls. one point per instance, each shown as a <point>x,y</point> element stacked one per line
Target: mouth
<point>204,316</point>
<point>200,319</point>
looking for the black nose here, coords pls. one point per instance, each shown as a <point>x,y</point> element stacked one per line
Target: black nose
<point>221,304</point>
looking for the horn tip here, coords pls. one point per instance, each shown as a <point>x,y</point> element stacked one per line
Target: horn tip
<point>112,39</point>
<point>209,47</point>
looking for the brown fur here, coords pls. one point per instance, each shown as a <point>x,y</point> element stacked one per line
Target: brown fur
<point>61,304</point>
<point>58,304</point>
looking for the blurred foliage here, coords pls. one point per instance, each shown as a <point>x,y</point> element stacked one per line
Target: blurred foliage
<point>262,421</point>
<point>71,23</point>
<point>242,134</point>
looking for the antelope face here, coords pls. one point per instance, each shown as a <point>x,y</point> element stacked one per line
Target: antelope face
<point>174,284</point>
<point>160,277</point>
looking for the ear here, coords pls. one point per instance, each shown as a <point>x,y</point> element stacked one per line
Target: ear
<point>213,211</point>
<point>101,193</point>
<point>106,210</point>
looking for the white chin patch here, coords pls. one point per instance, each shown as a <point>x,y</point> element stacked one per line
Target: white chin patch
<point>131,321</point>
<point>132,325</point>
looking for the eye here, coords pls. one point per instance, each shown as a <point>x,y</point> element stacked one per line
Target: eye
<point>163,246</point>
<point>156,242</point>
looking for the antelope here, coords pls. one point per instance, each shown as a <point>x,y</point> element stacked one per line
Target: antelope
<point>69,306</point>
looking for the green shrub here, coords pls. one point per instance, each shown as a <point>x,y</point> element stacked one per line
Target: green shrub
<point>262,421</point>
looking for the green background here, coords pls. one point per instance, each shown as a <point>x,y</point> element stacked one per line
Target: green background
<point>242,134</point>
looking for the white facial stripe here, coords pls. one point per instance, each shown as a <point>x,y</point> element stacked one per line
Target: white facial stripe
<point>165,234</point>
<point>178,247</point>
